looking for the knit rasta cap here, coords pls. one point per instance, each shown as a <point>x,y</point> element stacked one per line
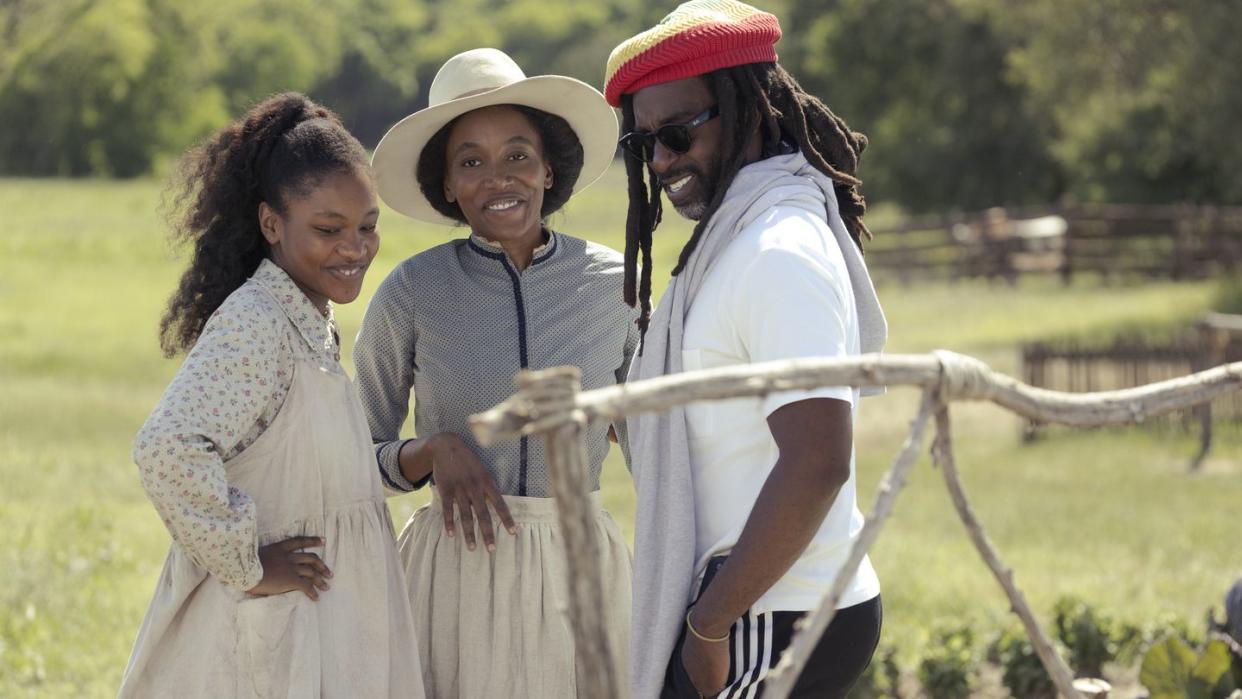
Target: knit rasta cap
<point>696,38</point>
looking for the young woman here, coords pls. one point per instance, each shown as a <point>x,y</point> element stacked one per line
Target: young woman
<point>283,577</point>
<point>497,152</point>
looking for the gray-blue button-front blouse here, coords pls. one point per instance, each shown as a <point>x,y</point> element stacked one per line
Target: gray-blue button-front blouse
<point>455,323</point>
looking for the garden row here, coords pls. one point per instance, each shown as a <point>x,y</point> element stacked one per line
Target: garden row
<point>1175,660</point>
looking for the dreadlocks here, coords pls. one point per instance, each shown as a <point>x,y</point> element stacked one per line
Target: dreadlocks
<point>750,96</point>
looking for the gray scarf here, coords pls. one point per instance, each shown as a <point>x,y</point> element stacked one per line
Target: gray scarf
<point>659,451</point>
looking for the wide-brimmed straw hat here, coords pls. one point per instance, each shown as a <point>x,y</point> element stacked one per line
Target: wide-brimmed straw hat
<point>482,78</point>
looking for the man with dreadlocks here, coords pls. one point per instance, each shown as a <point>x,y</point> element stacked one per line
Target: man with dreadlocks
<point>746,508</point>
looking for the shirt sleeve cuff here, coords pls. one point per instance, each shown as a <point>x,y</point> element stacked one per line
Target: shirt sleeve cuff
<point>387,454</point>
<point>777,401</point>
<point>254,572</point>
<point>243,574</point>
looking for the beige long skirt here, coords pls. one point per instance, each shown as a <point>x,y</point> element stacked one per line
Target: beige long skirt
<point>495,624</point>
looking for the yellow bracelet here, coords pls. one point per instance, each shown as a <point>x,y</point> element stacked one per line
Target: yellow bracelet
<point>700,636</point>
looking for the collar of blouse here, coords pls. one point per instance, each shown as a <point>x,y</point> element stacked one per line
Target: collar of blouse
<point>319,332</point>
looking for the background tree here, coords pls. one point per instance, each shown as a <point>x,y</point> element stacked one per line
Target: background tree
<point>928,83</point>
<point>101,86</point>
<point>968,103</point>
<point>1143,94</point>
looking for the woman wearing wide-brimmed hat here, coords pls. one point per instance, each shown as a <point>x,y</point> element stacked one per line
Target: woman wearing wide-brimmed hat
<point>497,152</point>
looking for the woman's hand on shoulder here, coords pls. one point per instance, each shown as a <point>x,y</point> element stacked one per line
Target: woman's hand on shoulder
<point>464,482</point>
<point>286,567</point>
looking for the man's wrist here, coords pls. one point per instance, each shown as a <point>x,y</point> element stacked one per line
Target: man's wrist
<point>707,623</point>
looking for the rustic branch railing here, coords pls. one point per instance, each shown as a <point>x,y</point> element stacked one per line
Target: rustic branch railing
<point>549,403</point>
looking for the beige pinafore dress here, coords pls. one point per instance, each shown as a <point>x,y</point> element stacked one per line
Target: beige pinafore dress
<point>311,473</point>
<point>496,624</point>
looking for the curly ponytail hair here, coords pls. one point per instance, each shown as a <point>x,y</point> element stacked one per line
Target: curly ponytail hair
<point>281,148</point>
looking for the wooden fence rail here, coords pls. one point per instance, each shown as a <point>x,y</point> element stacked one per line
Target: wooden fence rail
<point>1132,360</point>
<point>549,403</point>
<point>1110,241</point>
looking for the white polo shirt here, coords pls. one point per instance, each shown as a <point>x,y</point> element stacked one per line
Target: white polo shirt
<point>780,290</point>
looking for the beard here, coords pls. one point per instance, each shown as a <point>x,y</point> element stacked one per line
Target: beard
<point>694,210</point>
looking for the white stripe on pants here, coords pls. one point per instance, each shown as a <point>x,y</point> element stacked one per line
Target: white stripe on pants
<point>750,655</point>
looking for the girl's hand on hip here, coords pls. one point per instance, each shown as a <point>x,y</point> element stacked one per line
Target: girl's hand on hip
<point>286,567</point>
<point>463,481</point>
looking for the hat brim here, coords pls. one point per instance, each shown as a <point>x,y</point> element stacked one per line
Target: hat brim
<point>396,157</point>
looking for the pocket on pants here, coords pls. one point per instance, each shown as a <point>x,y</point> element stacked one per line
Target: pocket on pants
<point>685,686</point>
<point>278,646</point>
<point>677,684</point>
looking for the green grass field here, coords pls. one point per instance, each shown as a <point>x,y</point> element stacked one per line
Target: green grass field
<point>85,270</point>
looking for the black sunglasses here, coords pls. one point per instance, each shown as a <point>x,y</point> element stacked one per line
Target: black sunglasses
<point>675,137</point>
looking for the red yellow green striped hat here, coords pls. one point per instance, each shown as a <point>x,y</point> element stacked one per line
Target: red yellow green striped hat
<point>696,38</point>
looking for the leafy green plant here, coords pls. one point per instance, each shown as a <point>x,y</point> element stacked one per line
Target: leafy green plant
<point>1172,670</point>
<point>1170,624</point>
<point>1022,672</point>
<point>949,669</point>
<point>1131,641</point>
<point>1134,640</point>
<point>882,678</point>
<point>1087,635</point>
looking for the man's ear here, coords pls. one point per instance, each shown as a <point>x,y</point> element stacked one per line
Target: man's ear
<point>269,223</point>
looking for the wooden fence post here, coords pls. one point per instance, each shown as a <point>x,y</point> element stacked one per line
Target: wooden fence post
<point>1067,251</point>
<point>1209,353</point>
<point>942,455</point>
<point>1034,369</point>
<point>555,391</point>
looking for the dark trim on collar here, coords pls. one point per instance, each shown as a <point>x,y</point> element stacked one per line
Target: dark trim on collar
<point>492,254</point>
<point>550,248</point>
